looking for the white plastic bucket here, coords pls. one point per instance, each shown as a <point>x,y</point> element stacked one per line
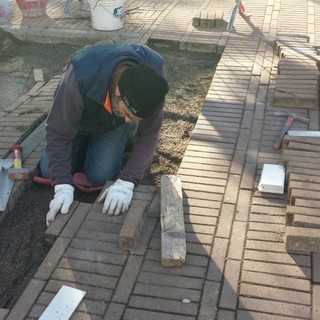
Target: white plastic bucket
<point>106,14</point>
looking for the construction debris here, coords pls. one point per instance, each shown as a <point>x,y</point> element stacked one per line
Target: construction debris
<point>173,238</point>
<point>297,83</point>
<point>301,155</point>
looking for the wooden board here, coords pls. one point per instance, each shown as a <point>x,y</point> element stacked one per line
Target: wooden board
<point>173,238</point>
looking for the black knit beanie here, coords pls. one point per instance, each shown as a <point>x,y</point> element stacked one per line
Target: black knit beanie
<point>142,89</point>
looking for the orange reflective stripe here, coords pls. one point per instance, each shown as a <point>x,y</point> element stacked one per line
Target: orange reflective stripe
<point>107,104</point>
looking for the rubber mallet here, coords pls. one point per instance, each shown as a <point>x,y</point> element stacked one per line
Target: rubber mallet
<point>17,172</point>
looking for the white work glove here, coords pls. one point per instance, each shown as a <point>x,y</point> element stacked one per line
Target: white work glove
<point>62,201</point>
<point>117,197</point>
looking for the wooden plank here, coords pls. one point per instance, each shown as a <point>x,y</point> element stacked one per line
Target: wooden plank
<point>302,239</point>
<point>132,225</point>
<point>173,237</point>
<point>299,153</point>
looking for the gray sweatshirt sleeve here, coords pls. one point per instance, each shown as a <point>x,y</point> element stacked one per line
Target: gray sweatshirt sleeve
<point>143,149</point>
<point>61,127</point>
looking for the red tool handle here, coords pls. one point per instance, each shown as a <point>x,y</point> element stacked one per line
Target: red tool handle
<point>286,127</point>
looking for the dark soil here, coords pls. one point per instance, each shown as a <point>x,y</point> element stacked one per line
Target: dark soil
<point>21,247</point>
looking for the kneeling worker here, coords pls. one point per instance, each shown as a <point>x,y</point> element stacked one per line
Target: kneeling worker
<point>108,94</point>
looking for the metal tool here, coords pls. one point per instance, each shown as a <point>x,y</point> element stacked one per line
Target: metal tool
<point>233,15</point>
<point>17,172</point>
<point>291,117</point>
<point>29,145</point>
<point>5,183</point>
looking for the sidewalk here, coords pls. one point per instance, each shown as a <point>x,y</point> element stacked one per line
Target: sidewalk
<point>237,266</point>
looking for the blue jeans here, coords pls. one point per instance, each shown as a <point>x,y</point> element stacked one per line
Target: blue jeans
<point>99,157</point>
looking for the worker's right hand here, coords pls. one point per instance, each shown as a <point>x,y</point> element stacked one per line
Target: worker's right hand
<point>62,201</point>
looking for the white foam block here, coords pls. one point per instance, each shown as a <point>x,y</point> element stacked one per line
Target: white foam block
<point>63,304</point>
<point>272,178</point>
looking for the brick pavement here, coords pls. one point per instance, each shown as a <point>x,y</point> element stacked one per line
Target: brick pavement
<point>237,266</point>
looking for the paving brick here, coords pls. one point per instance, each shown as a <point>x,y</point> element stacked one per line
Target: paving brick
<point>275,307</point>
<point>84,278</point>
<point>114,311</point>
<point>52,259</point>
<point>127,280</point>
<point>237,239</point>
<point>245,314</point>
<point>247,181</point>
<point>217,261</point>
<point>184,270</point>
<point>136,314</point>
<point>132,225</point>
<point>225,221</point>
<point>165,305</point>
<point>96,256</point>
<point>209,301</point>
<point>275,280</point>
<point>232,189</point>
<point>226,315</point>
<point>315,302</point>
<point>75,221</point>
<point>3,313</point>
<point>91,267</point>
<point>168,280</point>
<point>26,300</point>
<point>243,205</point>
<point>229,293</point>
<point>278,269</point>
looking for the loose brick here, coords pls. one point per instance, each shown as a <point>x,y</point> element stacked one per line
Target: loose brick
<point>132,226</point>
<point>302,239</point>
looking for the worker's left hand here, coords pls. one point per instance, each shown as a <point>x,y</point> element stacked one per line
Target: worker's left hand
<point>117,197</point>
